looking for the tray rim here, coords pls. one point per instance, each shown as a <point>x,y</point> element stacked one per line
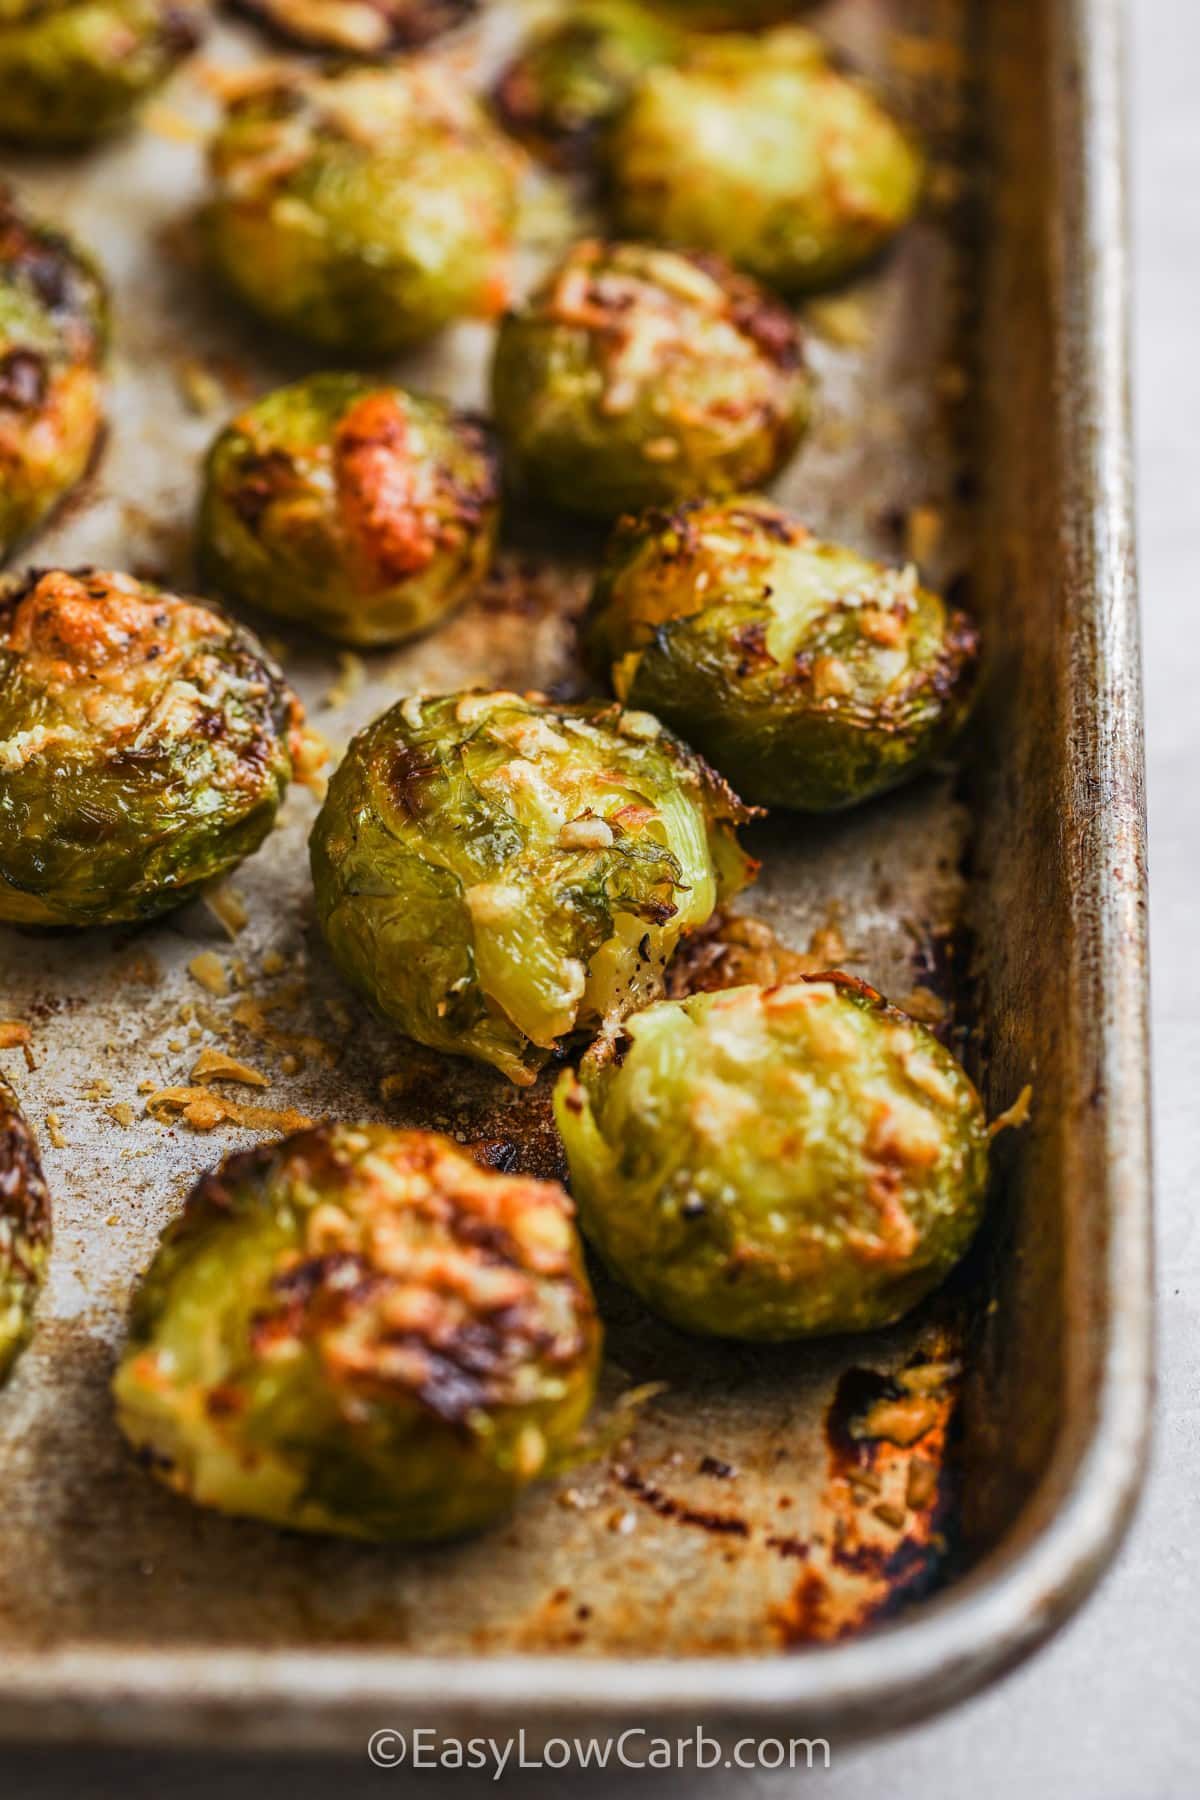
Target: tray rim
<point>324,1699</point>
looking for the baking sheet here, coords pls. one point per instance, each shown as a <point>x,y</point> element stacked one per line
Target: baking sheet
<point>741,1520</point>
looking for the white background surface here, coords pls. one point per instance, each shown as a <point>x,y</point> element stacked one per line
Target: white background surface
<point>1111,1711</point>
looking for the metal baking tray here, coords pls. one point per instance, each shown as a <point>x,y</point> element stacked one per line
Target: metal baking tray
<point>744,1559</point>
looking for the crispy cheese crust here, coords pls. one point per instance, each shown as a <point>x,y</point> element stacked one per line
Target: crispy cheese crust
<point>146,742</point>
<point>810,676</point>
<point>638,377</point>
<point>759,149</point>
<point>53,328</point>
<point>495,872</point>
<point>361,1331</point>
<point>363,208</point>
<point>365,511</point>
<point>775,1162</point>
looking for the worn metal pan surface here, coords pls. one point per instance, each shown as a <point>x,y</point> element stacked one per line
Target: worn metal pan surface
<point>753,1555</point>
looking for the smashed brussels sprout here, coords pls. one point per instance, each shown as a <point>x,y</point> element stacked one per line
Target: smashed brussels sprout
<point>571,79</point>
<point>53,325</point>
<point>357,27</point>
<point>775,1162</point>
<point>363,208</point>
<point>810,676</point>
<point>638,377</point>
<point>365,511</point>
<point>24,1229</point>
<point>360,1331</point>
<point>495,872</point>
<point>145,745</point>
<point>72,71</point>
<point>758,149</point>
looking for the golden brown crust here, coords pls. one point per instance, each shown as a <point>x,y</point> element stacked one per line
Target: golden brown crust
<point>419,1270</point>
<point>378,487</point>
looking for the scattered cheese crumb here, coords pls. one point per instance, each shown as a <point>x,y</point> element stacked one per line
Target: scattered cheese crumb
<point>642,727</point>
<point>310,753</point>
<point>844,322</point>
<point>209,971</point>
<point>202,392</point>
<point>165,122</point>
<point>121,1113</point>
<point>902,1422</point>
<point>881,627</point>
<point>273,963</point>
<point>928,1377</point>
<point>1014,1116</point>
<point>585,833</point>
<point>54,1131</point>
<point>831,679</point>
<point>352,673</point>
<point>227,907</point>
<point>214,1065</point>
<point>251,1015</point>
<point>201,1109</point>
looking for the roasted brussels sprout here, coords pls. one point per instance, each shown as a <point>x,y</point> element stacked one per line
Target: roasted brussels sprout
<point>24,1229</point>
<point>757,148</point>
<point>363,510</point>
<point>357,27</point>
<point>145,745</point>
<point>810,676</point>
<point>775,1162</point>
<point>637,377</point>
<point>360,1331</point>
<point>571,79</point>
<point>362,208</point>
<point>53,324</point>
<point>72,71</point>
<point>495,872</point>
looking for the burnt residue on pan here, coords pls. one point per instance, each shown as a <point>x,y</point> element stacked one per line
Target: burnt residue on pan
<point>887,1501</point>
